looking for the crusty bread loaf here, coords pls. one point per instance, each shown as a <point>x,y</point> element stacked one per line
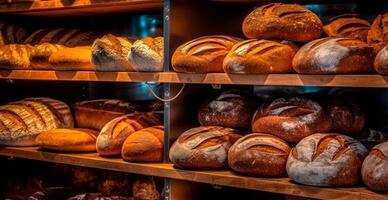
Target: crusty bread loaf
<point>375,168</point>
<point>146,55</point>
<point>204,147</point>
<point>22,121</point>
<point>15,56</point>
<point>378,33</point>
<point>347,117</point>
<point>326,160</point>
<point>114,133</point>
<point>109,53</point>
<point>348,26</point>
<point>77,58</point>
<point>94,114</point>
<point>334,56</point>
<point>11,34</point>
<point>381,61</point>
<point>282,21</point>
<point>145,189</point>
<point>232,109</point>
<point>202,55</point>
<point>145,145</point>
<point>61,139</point>
<point>259,57</point>
<point>291,119</point>
<point>259,154</point>
<point>63,36</point>
<point>40,54</point>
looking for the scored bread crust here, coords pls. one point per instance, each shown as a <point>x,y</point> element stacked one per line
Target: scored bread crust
<point>62,36</point>
<point>146,55</point>
<point>348,26</point>
<point>375,168</point>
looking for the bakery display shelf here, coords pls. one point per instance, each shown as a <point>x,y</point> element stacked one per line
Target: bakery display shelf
<point>79,7</point>
<point>218,177</point>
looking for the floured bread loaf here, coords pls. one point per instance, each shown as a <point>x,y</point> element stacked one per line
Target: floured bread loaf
<point>375,168</point>
<point>326,160</point>
<point>204,147</point>
<point>381,61</point>
<point>22,121</point>
<point>15,56</point>
<point>146,55</point>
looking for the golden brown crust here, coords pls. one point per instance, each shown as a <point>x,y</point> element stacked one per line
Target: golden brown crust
<point>40,55</point>
<point>146,55</point>
<point>77,58</point>
<point>259,57</point>
<point>15,56</point>
<point>203,55</point>
<point>378,34</point>
<point>348,26</point>
<point>282,21</point>
<point>62,36</point>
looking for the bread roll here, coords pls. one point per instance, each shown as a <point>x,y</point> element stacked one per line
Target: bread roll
<point>145,145</point>
<point>62,36</point>
<point>326,160</point>
<point>334,56</point>
<point>259,154</point>
<point>259,57</point>
<point>15,56</point>
<point>68,139</point>
<point>40,54</point>
<point>145,189</point>
<point>203,55</point>
<point>114,133</point>
<point>381,61</point>
<point>230,109</point>
<point>347,117</point>
<point>348,26</point>
<point>22,121</point>
<point>204,147</point>
<point>282,21</point>
<point>146,55</point>
<point>291,119</point>
<point>77,58</point>
<point>95,114</point>
<point>375,168</point>
<point>11,34</point>
<point>109,53</point>
<point>378,34</point>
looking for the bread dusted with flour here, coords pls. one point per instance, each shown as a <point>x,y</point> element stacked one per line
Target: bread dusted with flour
<point>62,36</point>
<point>348,26</point>
<point>381,61</point>
<point>204,147</point>
<point>326,160</point>
<point>334,56</point>
<point>146,55</point>
<point>375,168</point>
<point>15,56</point>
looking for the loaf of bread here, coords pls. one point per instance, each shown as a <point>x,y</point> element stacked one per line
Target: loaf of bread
<point>378,33</point>
<point>40,54</point>
<point>282,21</point>
<point>334,56</point>
<point>63,36</point>
<point>232,109</point>
<point>145,145</point>
<point>326,160</point>
<point>109,53</point>
<point>259,57</point>
<point>15,56</point>
<point>114,133</point>
<point>146,55</point>
<point>291,119</point>
<point>348,26</point>
<point>259,154</point>
<point>145,189</point>
<point>204,147</point>
<point>203,55</point>
<point>375,168</point>
<point>61,139</point>
<point>381,61</point>
<point>22,121</point>
<point>77,58</point>
<point>11,34</point>
<point>347,117</point>
<point>95,114</point>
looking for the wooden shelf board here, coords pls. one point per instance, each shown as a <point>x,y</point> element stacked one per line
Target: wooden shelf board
<point>218,177</point>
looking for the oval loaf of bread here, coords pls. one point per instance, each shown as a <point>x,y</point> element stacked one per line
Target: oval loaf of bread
<point>375,168</point>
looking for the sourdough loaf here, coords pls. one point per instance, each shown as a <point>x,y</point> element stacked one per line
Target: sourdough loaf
<point>146,55</point>
<point>348,26</point>
<point>381,61</point>
<point>40,54</point>
<point>62,36</point>
<point>77,58</point>
<point>375,168</point>
<point>15,56</point>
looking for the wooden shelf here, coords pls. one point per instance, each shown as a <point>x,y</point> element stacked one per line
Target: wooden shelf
<point>79,7</point>
<point>219,177</point>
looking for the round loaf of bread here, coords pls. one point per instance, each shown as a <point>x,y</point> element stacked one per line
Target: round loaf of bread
<point>145,145</point>
<point>378,33</point>
<point>203,55</point>
<point>347,26</point>
<point>230,109</point>
<point>259,57</point>
<point>334,56</point>
<point>204,147</point>
<point>282,21</point>
<point>40,54</point>
<point>326,160</point>
<point>146,55</point>
<point>75,139</point>
<point>259,154</point>
<point>375,168</point>
<point>381,61</point>
<point>347,117</point>
<point>114,133</point>
<point>291,119</point>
